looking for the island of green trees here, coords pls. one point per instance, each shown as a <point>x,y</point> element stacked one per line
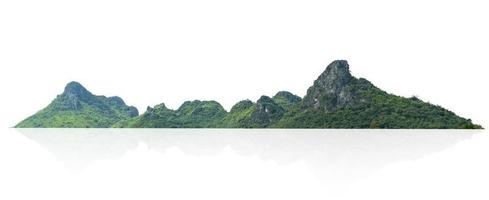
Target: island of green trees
<point>335,100</point>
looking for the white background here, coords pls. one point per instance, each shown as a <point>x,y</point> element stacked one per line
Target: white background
<point>148,52</point>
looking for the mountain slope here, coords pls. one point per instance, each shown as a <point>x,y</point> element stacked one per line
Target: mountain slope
<point>78,108</point>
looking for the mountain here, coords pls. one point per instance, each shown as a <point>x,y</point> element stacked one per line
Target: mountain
<point>336,99</point>
<point>78,108</point>
<point>339,100</point>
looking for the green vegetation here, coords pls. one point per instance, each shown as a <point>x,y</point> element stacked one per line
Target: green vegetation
<point>239,116</point>
<point>335,100</point>
<point>192,114</point>
<point>381,111</point>
<point>286,99</point>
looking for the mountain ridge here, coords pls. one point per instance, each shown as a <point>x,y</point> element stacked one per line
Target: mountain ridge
<point>336,99</point>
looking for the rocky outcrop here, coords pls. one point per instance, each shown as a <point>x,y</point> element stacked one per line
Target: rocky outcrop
<point>334,89</point>
<point>267,111</point>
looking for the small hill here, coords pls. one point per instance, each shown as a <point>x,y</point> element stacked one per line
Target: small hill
<point>286,99</point>
<point>191,114</point>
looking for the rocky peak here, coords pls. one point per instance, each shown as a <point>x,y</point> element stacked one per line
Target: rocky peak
<point>267,111</point>
<point>72,96</point>
<point>75,89</point>
<point>264,102</point>
<point>333,89</point>
<point>336,75</point>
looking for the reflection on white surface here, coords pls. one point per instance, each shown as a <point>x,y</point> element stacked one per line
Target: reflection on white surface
<point>331,154</point>
<point>327,162</point>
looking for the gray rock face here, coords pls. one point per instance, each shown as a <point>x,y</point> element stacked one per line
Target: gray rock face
<point>267,111</point>
<point>334,89</point>
<point>76,90</point>
<point>72,96</point>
